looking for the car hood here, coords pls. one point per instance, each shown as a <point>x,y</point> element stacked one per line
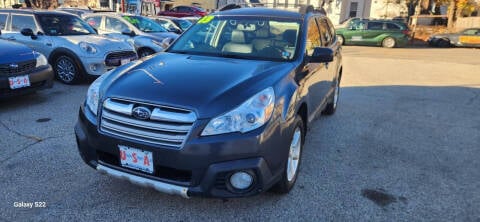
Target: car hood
<point>14,52</point>
<point>207,85</point>
<point>110,44</point>
<point>161,35</point>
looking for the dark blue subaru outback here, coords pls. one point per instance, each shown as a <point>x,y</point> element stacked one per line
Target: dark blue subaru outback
<point>222,112</point>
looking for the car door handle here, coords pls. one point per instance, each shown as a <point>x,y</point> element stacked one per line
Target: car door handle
<point>11,38</point>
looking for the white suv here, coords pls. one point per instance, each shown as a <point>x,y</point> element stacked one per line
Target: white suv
<point>72,47</point>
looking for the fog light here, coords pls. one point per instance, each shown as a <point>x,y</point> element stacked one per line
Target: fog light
<point>241,180</point>
<point>93,67</point>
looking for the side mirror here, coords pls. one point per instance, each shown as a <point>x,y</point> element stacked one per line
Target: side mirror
<point>28,32</point>
<point>128,32</point>
<point>321,54</point>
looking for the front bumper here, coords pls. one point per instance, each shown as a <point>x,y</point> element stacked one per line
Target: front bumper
<point>98,65</point>
<point>39,79</point>
<point>201,167</point>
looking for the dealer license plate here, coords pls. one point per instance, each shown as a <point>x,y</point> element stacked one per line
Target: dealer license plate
<point>19,82</point>
<point>136,159</point>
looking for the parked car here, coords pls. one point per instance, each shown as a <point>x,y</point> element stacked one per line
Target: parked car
<point>72,47</point>
<point>77,11</point>
<point>386,33</point>
<point>22,70</point>
<point>184,11</point>
<point>173,24</point>
<point>222,112</point>
<point>147,36</point>
<point>465,38</point>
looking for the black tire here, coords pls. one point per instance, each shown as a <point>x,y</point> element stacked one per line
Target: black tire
<point>443,43</point>
<point>341,39</point>
<point>389,42</point>
<point>145,52</point>
<point>285,184</point>
<point>67,70</point>
<point>333,102</point>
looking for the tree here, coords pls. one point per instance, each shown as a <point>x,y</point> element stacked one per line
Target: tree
<point>42,4</point>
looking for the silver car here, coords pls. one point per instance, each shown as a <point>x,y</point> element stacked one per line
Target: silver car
<point>147,36</point>
<point>72,47</point>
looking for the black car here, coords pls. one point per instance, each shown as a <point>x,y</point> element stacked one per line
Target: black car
<point>223,112</point>
<point>22,70</point>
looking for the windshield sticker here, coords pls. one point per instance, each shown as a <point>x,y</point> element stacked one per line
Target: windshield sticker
<point>206,19</point>
<point>132,21</point>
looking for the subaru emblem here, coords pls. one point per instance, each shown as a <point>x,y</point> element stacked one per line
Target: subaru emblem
<point>13,66</point>
<point>141,112</point>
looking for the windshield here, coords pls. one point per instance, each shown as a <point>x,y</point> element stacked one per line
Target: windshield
<point>144,24</point>
<point>61,25</point>
<point>245,37</point>
<point>183,24</point>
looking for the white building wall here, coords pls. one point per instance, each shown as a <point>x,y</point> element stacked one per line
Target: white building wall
<point>388,8</point>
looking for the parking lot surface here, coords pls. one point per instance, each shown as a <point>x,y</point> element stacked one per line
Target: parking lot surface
<point>404,145</point>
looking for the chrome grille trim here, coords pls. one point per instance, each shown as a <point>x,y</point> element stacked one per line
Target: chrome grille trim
<point>167,126</point>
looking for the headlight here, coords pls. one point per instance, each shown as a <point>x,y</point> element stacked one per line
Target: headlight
<point>93,93</point>
<point>87,47</point>
<point>252,114</point>
<point>41,60</point>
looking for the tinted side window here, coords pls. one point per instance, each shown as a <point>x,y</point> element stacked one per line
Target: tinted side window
<point>392,26</point>
<point>182,9</point>
<point>20,22</point>
<point>3,21</point>
<point>324,32</point>
<point>114,25</point>
<point>94,21</point>
<point>375,26</point>
<point>313,37</point>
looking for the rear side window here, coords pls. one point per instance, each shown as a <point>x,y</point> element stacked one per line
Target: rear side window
<point>20,22</point>
<point>375,26</point>
<point>94,21</point>
<point>3,21</point>
<point>392,26</point>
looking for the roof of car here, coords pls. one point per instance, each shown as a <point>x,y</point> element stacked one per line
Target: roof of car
<point>260,11</point>
<point>34,11</point>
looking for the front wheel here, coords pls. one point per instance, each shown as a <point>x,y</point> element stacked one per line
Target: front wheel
<point>388,42</point>
<point>341,40</point>
<point>290,172</point>
<point>67,70</point>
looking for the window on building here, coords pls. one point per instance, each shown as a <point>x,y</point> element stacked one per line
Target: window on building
<point>353,9</point>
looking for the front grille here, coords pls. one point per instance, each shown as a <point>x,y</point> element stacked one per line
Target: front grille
<point>17,68</point>
<point>115,58</point>
<point>166,126</point>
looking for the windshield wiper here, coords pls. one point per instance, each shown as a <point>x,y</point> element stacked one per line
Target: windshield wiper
<point>235,56</point>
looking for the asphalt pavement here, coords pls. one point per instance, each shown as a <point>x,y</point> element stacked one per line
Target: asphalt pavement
<point>404,145</point>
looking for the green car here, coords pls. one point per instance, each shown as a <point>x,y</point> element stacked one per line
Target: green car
<point>384,33</point>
